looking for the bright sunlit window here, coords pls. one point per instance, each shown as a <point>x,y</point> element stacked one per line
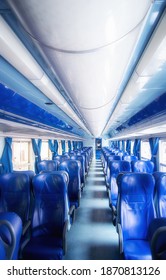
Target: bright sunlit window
<point>162,152</point>
<point>132,145</point>
<point>145,150</point>
<point>45,151</point>
<point>21,150</point>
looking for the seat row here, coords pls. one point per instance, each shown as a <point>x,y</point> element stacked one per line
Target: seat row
<point>140,228</point>
<point>46,204</point>
<point>133,187</point>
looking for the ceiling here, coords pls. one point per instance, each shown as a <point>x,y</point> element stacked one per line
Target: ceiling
<point>91,65</point>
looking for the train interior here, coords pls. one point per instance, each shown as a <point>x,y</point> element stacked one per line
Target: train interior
<point>83,103</point>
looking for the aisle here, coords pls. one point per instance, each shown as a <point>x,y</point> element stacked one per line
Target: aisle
<point>92,236</point>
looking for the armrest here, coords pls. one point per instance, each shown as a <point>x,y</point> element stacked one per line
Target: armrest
<point>114,210</point>
<point>72,212</point>
<point>64,237</point>
<point>26,227</point>
<point>79,197</point>
<point>12,230</point>
<point>120,238</point>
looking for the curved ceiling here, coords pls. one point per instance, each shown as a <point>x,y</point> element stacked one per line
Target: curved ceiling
<point>89,46</point>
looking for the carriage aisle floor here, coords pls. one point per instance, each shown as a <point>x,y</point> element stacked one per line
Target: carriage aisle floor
<point>93,236</point>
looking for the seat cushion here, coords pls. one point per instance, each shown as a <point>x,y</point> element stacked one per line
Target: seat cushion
<point>43,248</point>
<point>137,250</point>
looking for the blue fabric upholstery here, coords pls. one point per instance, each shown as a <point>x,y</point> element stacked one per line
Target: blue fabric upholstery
<point>72,167</point>
<point>49,224</point>
<point>48,165</point>
<point>160,193</point>
<point>10,235</point>
<point>142,166</point>
<point>135,212</point>
<point>157,233</point>
<point>16,194</point>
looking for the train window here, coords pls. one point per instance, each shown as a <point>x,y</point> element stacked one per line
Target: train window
<point>132,146</point>
<point>45,151</point>
<point>21,155</point>
<point>162,152</point>
<point>145,150</point>
<point>66,146</point>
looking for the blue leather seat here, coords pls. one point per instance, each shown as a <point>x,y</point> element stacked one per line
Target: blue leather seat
<point>72,167</point>
<point>130,158</point>
<point>160,193</point>
<point>10,235</point>
<point>146,166</point>
<point>48,165</point>
<point>115,167</point>
<point>135,212</point>
<point>81,158</point>
<point>16,196</point>
<point>157,232</point>
<point>50,218</point>
<point>107,169</point>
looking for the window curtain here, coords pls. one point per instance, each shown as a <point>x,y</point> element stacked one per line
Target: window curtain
<point>53,146</point>
<point>69,146</point>
<point>63,146</point>
<point>123,145</point>
<point>81,145</point>
<point>154,146</point>
<point>74,145</point>
<point>136,148</point>
<point>128,146</point>
<point>36,144</point>
<point>6,159</point>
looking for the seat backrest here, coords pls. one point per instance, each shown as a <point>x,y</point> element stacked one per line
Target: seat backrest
<point>51,204</point>
<point>72,167</point>
<point>10,235</point>
<point>16,194</point>
<point>115,167</point>
<point>81,158</point>
<point>130,158</point>
<point>48,165</point>
<point>160,193</point>
<point>108,159</point>
<point>86,161</point>
<point>146,166</point>
<point>135,205</point>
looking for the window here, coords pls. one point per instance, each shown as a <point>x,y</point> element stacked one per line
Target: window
<point>22,155</point>
<point>145,150</point>
<point>162,152</point>
<point>45,151</point>
<point>132,145</point>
